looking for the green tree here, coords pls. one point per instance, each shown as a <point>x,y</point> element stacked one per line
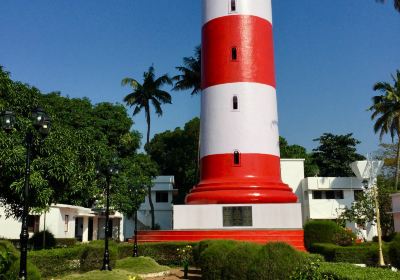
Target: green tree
<point>335,153</point>
<point>142,97</point>
<point>190,77</point>
<point>296,151</point>
<point>386,110</point>
<point>176,152</point>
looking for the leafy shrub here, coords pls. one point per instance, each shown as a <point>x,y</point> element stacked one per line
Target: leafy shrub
<point>8,255</point>
<point>213,259</point>
<point>13,272</point>
<point>344,238</point>
<point>343,271</point>
<point>394,252</point>
<point>366,253</point>
<point>57,261</point>
<point>324,232</point>
<point>163,253</point>
<point>92,257</point>
<point>276,261</point>
<point>37,240</point>
<point>239,260</point>
<point>65,242</point>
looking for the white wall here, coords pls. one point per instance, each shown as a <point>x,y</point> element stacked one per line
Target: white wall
<point>292,173</point>
<point>396,211</point>
<point>9,228</point>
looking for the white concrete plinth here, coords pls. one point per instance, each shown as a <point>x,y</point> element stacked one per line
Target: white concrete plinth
<point>264,216</point>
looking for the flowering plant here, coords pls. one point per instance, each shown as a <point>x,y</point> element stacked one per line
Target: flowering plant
<point>185,255</point>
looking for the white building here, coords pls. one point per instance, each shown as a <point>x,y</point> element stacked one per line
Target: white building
<point>161,193</point>
<point>65,221</point>
<point>396,211</point>
<point>324,198</point>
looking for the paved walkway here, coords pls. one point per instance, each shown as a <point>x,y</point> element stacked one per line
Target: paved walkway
<point>194,274</point>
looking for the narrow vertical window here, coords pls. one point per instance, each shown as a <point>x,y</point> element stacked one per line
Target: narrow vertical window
<point>66,218</point>
<point>233,5</point>
<point>234,53</point>
<point>236,158</point>
<point>235,104</point>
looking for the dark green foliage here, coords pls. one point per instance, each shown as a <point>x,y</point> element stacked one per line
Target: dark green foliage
<point>324,232</point>
<point>65,242</point>
<point>33,272</point>
<point>276,261</point>
<point>37,240</point>
<point>343,271</point>
<point>361,253</point>
<point>176,152</point>
<point>57,261</point>
<point>92,257</point>
<point>214,259</point>
<point>239,260</point>
<point>296,151</point>
<point>394,252</point>
<point>335,153</point>
<point>9,263</point>
<point>163,253</point>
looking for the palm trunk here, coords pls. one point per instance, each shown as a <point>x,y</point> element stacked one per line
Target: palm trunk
<point>398,163</point>
<point>149,187</point>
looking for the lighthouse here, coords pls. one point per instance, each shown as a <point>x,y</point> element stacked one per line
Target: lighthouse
<point>239,143</point>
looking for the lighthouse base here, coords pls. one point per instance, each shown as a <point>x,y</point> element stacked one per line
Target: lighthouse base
<point>237,216</point>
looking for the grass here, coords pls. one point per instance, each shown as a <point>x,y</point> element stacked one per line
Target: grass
<point>350,271</point>
<point>124,269</point>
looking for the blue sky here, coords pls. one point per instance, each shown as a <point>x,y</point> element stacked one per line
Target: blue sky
<point>328,54</point>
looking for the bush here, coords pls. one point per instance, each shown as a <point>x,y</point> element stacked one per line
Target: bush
<point>8,255</point>
<point>239,260</point>
<point>65,242</point>
<point>92,257</point>
<point>342,271</point>
<point>13,272</point>
<point>394,252</point>
<point>325,232</point>
<point>213,259</point>
<point>163,253</point>
<point>277,261</point>
<point>366,253</point>
<point>37,240</point>
<point>57,261</point>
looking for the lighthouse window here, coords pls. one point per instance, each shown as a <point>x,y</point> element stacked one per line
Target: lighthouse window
<point>236,158</point>
<point>233,5</point>
<point>234,53</point>
<point>235,103</point>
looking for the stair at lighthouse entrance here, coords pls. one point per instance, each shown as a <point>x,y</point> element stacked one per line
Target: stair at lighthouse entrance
<point>293,237</point>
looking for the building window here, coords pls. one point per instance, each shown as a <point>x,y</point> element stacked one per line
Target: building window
<point>339,195</point>
<point>234,53</point>
<point>317,195</point>
<point>235,103</point>
<point>358,194</point>
<point>161,196</point>
<point>66,220</point>
<point>233,5</point>
<point>33,223</point>
<point>236,158</point>
<point>330,195</point>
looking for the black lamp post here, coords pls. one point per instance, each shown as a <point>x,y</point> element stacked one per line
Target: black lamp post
<point>135,245</point>
<point>41,123</point>
<point>109,172</point>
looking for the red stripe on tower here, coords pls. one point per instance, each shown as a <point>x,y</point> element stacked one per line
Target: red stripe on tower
<point>239,124</point>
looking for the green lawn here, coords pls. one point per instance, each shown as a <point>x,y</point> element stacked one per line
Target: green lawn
<point>124,269</point>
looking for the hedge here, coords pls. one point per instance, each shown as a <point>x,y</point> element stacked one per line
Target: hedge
<point>344,271</point>
<point>362,253</point>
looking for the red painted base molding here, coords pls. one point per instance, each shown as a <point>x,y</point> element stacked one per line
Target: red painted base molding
<point>292,237</point>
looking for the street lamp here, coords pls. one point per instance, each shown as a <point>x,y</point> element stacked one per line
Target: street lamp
<point>367,171</point>
<point>109,172</point>
<point>135,245</point>
<point>41,122</point>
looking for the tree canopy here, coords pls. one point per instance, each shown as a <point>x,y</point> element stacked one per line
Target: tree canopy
<point>335,153</point>
<point>63,169</point>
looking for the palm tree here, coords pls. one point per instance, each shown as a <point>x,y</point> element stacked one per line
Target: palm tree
<point>190,77</point>
<point>396,4</point>
<point>386,110</point>
<point>142,96</point>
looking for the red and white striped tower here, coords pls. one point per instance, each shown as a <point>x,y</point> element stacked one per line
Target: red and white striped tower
<point>240,162</point>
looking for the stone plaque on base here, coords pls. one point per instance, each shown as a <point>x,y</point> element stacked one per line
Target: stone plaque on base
<point>237,216</point>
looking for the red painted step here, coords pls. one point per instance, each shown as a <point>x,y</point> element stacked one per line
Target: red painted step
<point>292,237</point>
